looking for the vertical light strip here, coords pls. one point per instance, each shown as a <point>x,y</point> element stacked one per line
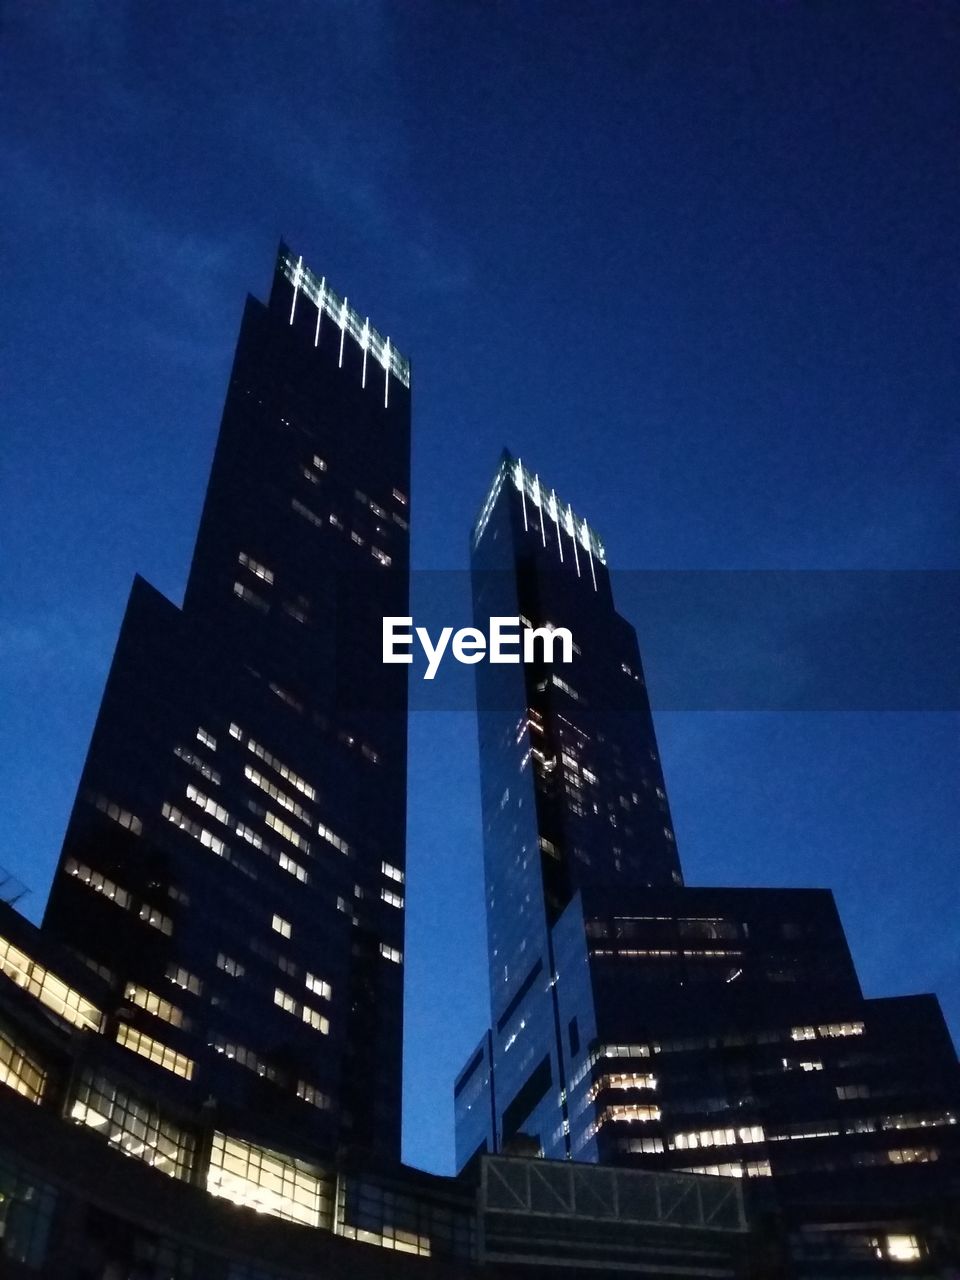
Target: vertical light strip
<point>386,374</point>
<point>556,520</point>
<point>297,277</point>
<point>538,499</point>
<point>523,495</point>
<point>586,531</point>
<point>366,341</point>
<point>573,526</point>
<point>343,330</point>
<point>316,336</point>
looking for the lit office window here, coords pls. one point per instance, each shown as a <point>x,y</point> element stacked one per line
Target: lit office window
<point>270,1182</point>
<point>181,977</point>
<point>392,873</point>
<point>152,1003</point>
<point>285,1001</point>
<point>281,926</point>
<point>318,986</point>
<point>197,762</point>
<point>97,881</point>
<point>284,829</point>
<point>156,919</point>
<point>391,953</point>
<point>331,837</point>
<point>250,597</point>
<point>315,1019</point>
<point>52,993</point>
<point>627,1112</point>
<point>132,1125</point>
<point>230,966</point>
<point>272,790</point>
<point>206,738</point>
<point>287,864</point>
<point>285,772</point>
<point>394,899</point>
<point>122,816</point>
<point>139,1042</point>
<point>316,1097</point>
<point>19,1071</point>
<point>208,805</point>
<point>256,568</point>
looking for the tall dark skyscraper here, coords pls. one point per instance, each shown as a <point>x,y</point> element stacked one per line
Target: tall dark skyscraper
<point>234,862</point>
<point>635,1020</point>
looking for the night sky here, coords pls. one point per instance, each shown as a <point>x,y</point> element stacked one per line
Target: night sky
<point>694,261</point>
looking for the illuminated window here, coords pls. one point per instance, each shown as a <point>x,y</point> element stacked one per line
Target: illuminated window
<point>287,864</point>
<point>206,838</point>
<point>400,497</point>
<point>256,568</point>
<point>284,829</point>
<point>139,1042</point>
<point>206,738</point>
<point>318,986</point>
<point>156,919</point>
<point>281,926</point>
<point>285,1001</point>
<point>243,1057</point>
<point>391,953</point>
<point>285,802</point>
<point>331,837</point>
<point>132,1125</point>
<point>284,770</point>
<point>154,1004</point>
<point>899,1248</point>
<point>97,881</point>
<point>208,805</point>
<point>250,597</point>
<point>181,977</point>
<point>392,873</point>
<point>394,899</point>
<point>233,967</point>
<point>836,1029</point>
<point>269,1182</point>
<point>381,557</point>
<point>19,1071</point>
<point>315,1019</point>
<point>122,816</point>
<point>236,732</point>
<point>628,1112</point>
<point>52,993</point>
<point>309,1093</point>
<point>803,1033</point>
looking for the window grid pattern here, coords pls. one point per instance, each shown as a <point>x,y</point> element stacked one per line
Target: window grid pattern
<point>50,990</point>
<point>132,1125</point>
<point>270,1182</point>
<point>19,1071</point>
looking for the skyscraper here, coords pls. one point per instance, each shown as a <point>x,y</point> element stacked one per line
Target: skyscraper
<point>636,1020</point>
<point>234,861</point>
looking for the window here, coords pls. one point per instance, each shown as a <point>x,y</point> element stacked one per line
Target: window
<point>285,772</point>
<point>250,597</point>
<point>313,1018</point>
<point>318,986</point>
<point>122,816</point>
<point>19,1071</point>
<point>52,993</point>
<point>155,1051</point>
<point>392,873</point>
<point>206,838</point>
<point>183,978</point>
<point>156,919</point>
<point>381,557</point>
<point>394,899</point>
<point>285,802</point>
<point>233,967</point>
<point>309,1093</point>
<point>97,881</point>
<point>269,1182</point>
<point>206,738</point>
<point>331,837</point>
<point>293,868</point>
<point>391,953</point>
<point>154,1004</point>
<point>281,926</point>
<point>284,829</point>
<point>256,568</point>
<point>285,1001</point>
<point>208,805</point>
<point>243,1057</point>
<point>133,1125</point>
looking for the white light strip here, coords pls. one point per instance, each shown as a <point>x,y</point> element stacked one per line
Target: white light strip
<point>343,328</point>
<point>572,530</point>
<point>556,520</point>
<point>297,276</point>
<point>366,339</point>
<point>538,499</point>
<point>590,554</point>
<point>523,495</point>
<point>316,336</point>
<point>325,299</point>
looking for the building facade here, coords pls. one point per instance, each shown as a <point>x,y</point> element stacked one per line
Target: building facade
<point>637,1021</point>
<point>233,866</point>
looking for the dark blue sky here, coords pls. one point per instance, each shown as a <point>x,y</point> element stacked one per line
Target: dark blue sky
<point>695,261</point>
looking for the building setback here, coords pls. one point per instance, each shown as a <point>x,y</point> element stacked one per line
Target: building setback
<point>636,1021</point>
<point>234,861</point>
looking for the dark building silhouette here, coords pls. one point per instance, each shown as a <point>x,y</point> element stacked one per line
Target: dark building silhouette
<point>637,1021</point>
<point>234,861</point>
